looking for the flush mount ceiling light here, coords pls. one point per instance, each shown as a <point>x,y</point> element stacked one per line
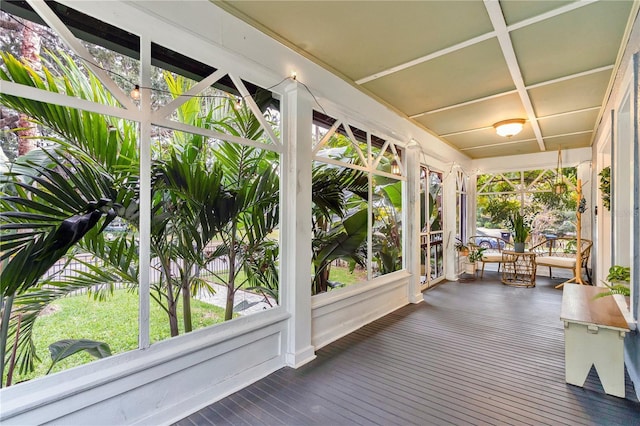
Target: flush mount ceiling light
<point>508,128</point>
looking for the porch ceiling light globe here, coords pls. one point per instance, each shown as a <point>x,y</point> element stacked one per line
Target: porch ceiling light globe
<point>508,128</point>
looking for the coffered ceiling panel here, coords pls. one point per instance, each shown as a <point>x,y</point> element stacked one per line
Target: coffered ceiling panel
<point>569,123</point>
<point>526,147</point>
<point>475,115</point>
<point>570,95</point>
<point>568,142</point>
<point>570,43</point>
<point>516,11</point>
<point>469,73</point>
<point>361,38</point>
<point>458,67</point>
<point>488,137</point>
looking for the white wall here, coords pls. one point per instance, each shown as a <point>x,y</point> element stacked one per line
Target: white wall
<point>161,384</point>
<point>620,150</point>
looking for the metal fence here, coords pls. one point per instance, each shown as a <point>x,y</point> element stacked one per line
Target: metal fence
<point>81,264</point>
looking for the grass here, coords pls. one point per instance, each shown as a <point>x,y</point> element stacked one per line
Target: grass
<point>114,321</point>
<point>342,274</point>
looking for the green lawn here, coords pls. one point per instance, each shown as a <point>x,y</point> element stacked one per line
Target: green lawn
<point>114,321</point>
<point>342,274</point>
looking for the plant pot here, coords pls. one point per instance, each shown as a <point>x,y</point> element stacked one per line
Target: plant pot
<point>518,247</point>
<point>470,268</point>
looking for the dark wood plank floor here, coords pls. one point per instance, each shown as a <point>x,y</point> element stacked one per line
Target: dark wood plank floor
<point>473,353</point>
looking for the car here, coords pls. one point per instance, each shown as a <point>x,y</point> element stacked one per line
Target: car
<point>116,227</point>
<point>488,242</point>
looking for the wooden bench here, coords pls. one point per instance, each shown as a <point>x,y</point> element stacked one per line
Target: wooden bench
<point>561,253</point>
<point>493,249</point>
<point>594,331</point>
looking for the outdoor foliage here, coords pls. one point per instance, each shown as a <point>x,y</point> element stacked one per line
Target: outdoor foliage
<point>531,192</point>
<point>605,187</point>
<point>342,219</point>
<point>60,198</point>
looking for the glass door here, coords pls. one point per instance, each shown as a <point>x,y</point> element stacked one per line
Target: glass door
<point>431,233</point>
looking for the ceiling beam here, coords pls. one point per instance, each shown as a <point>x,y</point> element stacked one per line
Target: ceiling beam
<point>497,20</point>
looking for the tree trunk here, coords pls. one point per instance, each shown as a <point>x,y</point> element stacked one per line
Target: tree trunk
<point>30,52</point>
<point>322,279</point>
<point>186,297</point>
<point>7,305</point>
<point>228,309</point>
<point>231,282</point>
<point>173,318</point>
<point>231,289</point>
<point>172,307</point>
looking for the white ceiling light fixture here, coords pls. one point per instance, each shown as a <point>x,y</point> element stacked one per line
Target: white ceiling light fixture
<point>508,128</point>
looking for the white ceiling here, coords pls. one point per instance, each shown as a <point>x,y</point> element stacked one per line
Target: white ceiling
<point>458,67</point>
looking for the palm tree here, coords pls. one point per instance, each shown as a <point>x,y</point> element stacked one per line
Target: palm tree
<point>64,196</point>
<point>250,203</point>
<point>54,197</point>
<point>339,224</point>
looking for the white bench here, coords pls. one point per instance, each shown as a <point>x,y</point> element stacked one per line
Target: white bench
<point>594,331</point>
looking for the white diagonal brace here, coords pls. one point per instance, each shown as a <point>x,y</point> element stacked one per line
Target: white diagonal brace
<point>354,142</point>
<point>326,137</point>
<point>175,125</point>
<point>379,157</point>
<point>254,108</point>
<point>54,22</point>
<point>166,110</point>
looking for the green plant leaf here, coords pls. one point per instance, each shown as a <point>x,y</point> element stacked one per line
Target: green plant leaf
<point>65,348</point>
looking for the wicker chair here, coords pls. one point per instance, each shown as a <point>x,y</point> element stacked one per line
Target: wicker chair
<point>493,249</point>
<point>561,253</point>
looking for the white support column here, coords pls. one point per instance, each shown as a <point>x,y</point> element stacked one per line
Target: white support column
<point>472,204</point>
<point>449,202</point>
<point>295,291</point>
<point>584,173</point>
<point>412,230</point>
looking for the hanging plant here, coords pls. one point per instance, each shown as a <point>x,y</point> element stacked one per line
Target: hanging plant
<point>605,187</point>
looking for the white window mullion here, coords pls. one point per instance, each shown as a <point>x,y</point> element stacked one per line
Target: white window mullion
<point>370,230</point>
<point>144,141</point>
<point>187,128</point>
<point>62,99</point>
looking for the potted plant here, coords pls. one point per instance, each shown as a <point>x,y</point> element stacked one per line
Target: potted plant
<point>462,249</point>
<point>520,231</point>
<point>605,187</point>
<point>619,277</point>
<point>474,256</point>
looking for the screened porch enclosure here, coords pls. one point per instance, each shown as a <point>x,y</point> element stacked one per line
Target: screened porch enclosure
<point>196,215</point>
